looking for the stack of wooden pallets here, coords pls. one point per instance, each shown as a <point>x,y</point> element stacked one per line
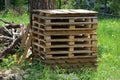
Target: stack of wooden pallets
<point>65,38</point>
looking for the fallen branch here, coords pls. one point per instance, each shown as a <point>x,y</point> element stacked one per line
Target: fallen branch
<point>10,38</point>
<point>12,25</point>
<point>4,32</point>
<point>6,37</point>
<point>10,48</point>
<point>5,21</point>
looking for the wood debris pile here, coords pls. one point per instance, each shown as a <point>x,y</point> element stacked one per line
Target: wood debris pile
<point>10,38</point>
<point>13,74</point>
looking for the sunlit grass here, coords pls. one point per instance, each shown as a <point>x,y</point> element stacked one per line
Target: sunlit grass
<point>18,19</point>
<point>109,50</point>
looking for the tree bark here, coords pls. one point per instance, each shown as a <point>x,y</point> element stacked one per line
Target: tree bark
<point>41,4</point>
<point>7,5</point>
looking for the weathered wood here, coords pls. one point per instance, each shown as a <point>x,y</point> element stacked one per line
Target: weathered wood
<point>28,44</point>
<point>66,56</point>
<point>60,36</point>
<point>66,12</point>
<point>57,17</point>
<point>67,52</point>
<point>9,49</point>
<point>11,35</point>
<point>24,38</point>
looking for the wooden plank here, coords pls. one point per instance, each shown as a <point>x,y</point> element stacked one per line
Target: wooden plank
<point>70,55</point>
<point>66,46</point>
<point>42,40</point>
<point>37,27</point>
<point>72,25</point>
<point>38,45</point>
<point>67,52</point>
<point>80,39</point>
<point>28,44</point>
<point>67,57</point>
<point>68,23</point>
<point>70,11</point>
<point>62,17</point>
<point>70,32</point>
<point>25,35</point>
<point>35,22</point>
<point>37,33</point>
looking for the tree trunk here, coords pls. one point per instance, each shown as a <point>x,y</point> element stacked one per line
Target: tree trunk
<point>41,4</point>
<point>7,5</point>
<point>105,5</point>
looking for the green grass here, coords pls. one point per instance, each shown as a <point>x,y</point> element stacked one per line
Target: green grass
<point>108,50</point>
<point>23,19</point>
<point>108,33</point>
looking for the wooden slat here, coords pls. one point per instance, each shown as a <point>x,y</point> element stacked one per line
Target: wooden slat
<point>67,52</point>
<point>66,57</point>
<point>36,22</point>
<point>38,45</point>
<point>68,23</point>
<point>66,46</point>
<point>79,17</point>
<point>72,11</point>
<point>39,39</point>
<point>37,27</point>
<point>70,32</point>
<point>28,44</point>
<point>25,35</point>
<point>38,33</point>
<point>62,40</point>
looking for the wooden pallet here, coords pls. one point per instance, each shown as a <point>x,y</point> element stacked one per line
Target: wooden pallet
<point>67,21</point>
<point>70,20</point>
<point>67,24</point>
<point>59,45</point>
<point>65,37</point>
